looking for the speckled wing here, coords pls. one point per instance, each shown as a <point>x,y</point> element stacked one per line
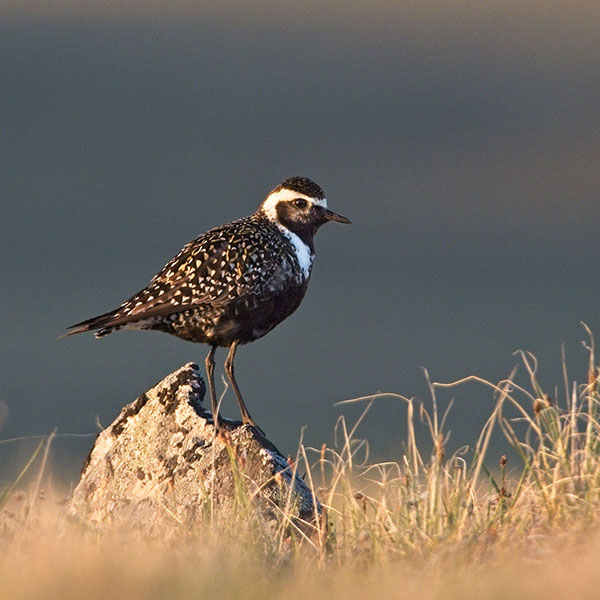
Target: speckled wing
<point>223,265</point>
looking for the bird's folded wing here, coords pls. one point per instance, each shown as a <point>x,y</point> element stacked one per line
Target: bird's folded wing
<point>187,281</point>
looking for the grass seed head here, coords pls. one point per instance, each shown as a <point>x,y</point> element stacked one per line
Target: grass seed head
<point>539,404</point>
<point>593,374</point>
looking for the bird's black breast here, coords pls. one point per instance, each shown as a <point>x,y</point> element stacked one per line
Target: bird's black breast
<point>242,320</point>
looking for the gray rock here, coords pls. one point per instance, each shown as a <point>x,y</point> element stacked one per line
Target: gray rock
<point>160,465</point>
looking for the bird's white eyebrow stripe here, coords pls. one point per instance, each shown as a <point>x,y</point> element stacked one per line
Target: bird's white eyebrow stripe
<point>285,195</point>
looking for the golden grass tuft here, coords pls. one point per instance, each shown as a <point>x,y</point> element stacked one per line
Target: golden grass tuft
<point>430,524</point>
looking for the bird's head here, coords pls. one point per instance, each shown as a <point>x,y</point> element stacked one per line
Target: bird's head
<point>299,205</point>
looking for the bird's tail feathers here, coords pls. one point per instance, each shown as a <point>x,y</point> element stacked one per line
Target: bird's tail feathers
<point>96,324</point>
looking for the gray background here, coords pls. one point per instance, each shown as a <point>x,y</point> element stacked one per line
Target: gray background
<point>462,141</point>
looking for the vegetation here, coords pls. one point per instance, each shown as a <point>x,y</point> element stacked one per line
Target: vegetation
<point>427,526</point>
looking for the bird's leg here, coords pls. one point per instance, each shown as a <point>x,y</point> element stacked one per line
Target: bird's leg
<point>246,418</point>
<point>210,372</point>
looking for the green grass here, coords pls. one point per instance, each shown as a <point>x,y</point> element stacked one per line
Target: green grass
<point>431,524</point>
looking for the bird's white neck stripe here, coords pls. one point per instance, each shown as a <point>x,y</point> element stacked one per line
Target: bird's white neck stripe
<point>303,252</point>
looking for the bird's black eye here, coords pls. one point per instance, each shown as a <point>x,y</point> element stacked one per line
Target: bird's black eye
<point>300,203</point>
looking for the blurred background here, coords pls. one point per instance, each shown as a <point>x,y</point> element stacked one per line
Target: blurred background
<point>462,139</point>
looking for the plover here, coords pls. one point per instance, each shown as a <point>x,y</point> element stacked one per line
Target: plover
<point>234,283</point>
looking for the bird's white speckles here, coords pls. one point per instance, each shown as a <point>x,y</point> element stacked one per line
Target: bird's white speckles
<point>303,254</point>
<point>269,206</point>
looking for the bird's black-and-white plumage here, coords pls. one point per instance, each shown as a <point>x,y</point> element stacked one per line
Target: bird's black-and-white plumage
<point>234,283</point>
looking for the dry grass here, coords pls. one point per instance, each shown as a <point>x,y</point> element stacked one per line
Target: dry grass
<point>427,526</point>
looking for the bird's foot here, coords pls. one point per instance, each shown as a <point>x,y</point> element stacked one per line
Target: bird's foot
<point>219,425</point>
<point>251,423</point>
<point>222,432</point>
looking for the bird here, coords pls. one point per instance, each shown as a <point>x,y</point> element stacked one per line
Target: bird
<point>234,283</point>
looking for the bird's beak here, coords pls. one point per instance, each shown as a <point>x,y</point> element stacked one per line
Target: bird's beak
<point>331,216</point>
